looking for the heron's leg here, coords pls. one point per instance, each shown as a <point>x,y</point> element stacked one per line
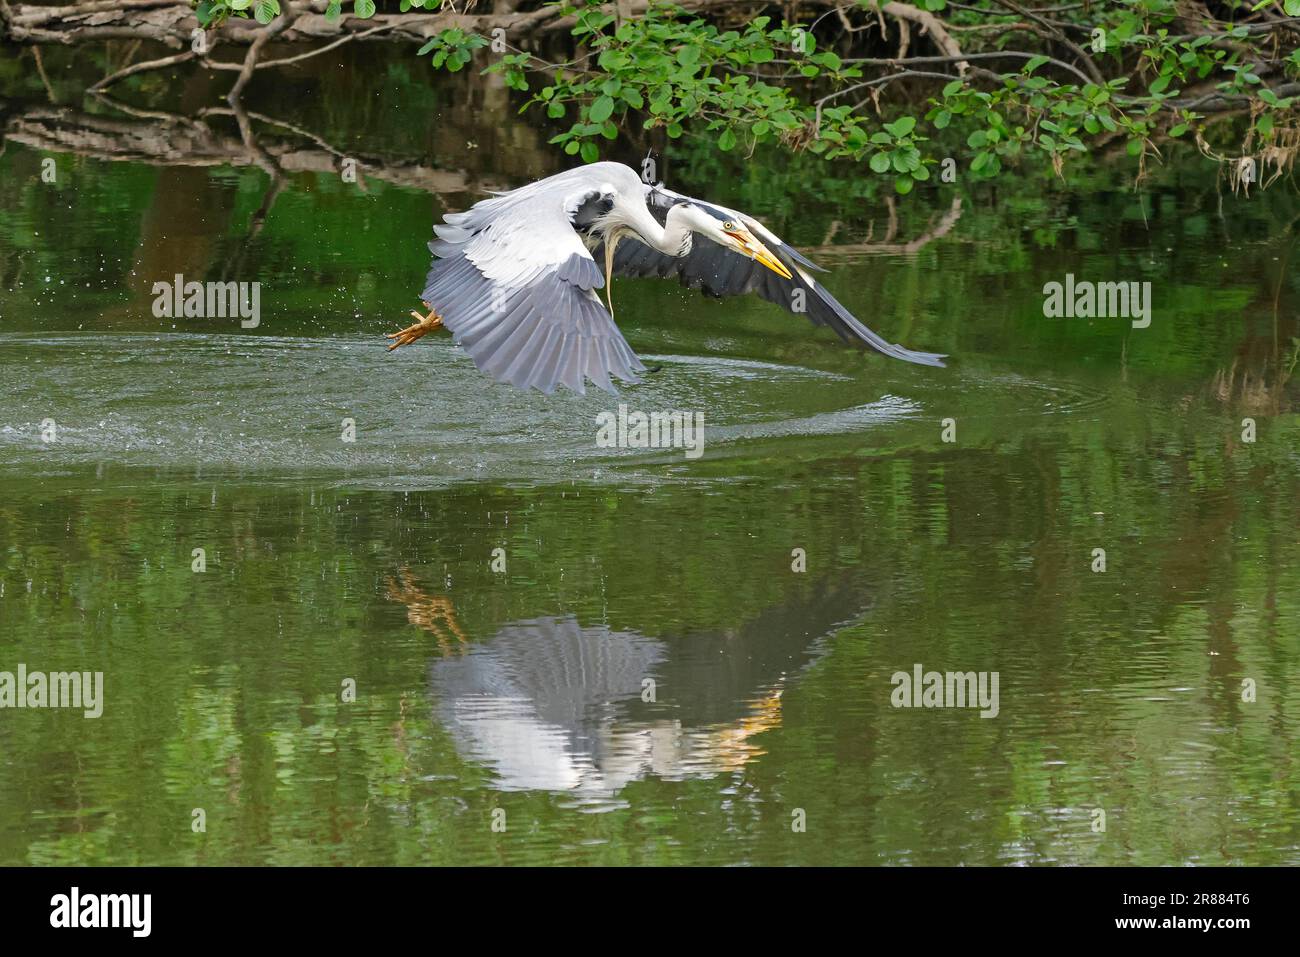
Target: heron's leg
<point>411,333</point>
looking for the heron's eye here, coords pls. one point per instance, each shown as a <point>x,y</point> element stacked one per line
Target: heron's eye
<point>728,225</point>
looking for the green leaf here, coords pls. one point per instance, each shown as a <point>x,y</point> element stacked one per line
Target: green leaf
<point>903,185</point>
<point>727,140</point>
<point>590,152</point>
<point>602,109</point>
<point>880,163</point>
<point>365,9</point>
<point>266,10</point>
<point>612,60</point>
<point>901,126</point>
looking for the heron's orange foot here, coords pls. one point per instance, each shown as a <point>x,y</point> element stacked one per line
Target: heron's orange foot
<point>425,324</point>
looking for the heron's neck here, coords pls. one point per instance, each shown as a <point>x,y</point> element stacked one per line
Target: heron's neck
<point>673,239</point>
<point>677,234</point>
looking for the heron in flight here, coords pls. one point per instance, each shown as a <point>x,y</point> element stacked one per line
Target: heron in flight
<point>515,277</point>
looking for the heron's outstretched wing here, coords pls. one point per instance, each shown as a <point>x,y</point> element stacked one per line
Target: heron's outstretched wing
<point>718,271</point>
<point>515,285</point>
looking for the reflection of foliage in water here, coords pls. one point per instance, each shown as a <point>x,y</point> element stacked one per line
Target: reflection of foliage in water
<point>1212,259</point>
<point>976,556</point>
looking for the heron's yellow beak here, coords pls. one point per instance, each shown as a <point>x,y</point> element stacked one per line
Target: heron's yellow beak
<point>754,249</point>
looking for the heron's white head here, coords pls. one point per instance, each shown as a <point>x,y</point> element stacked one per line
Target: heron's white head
<point>728,232</point>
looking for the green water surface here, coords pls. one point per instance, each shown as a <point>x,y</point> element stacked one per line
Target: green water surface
<point>682,660</point>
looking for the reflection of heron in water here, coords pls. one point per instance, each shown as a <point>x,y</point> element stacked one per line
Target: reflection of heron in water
<point>434,613</point>
<point>552,705</point>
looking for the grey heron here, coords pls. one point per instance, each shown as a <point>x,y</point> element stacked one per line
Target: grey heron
<point>515,276</point>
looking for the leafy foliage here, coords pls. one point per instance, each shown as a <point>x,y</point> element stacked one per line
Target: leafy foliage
<point>1133,72</point>
<point>771,83</point>
<point>452,49</point>
<point>213,13</point>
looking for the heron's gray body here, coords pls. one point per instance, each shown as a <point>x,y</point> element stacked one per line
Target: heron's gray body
<point>516,275</point>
